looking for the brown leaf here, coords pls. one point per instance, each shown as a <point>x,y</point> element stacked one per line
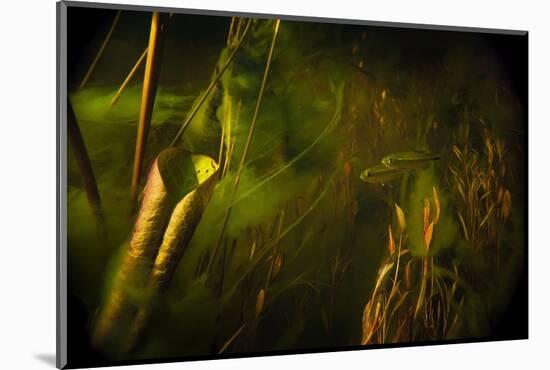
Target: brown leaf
<point>391,242</point>
<point>426,213</point>
<point>428,235</point>
<point>175,195</point>
<point>437,206</point>
<point>400,217</point>
<point>252,250</point>
<point>277,263</point>
<point>259,303</point>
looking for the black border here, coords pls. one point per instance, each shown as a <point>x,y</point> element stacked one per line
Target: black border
<point>61,149</point>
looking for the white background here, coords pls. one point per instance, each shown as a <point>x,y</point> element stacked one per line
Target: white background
<point>27,182</point>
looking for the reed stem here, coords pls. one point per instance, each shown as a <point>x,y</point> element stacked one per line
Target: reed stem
<point>129,77</point>
<point>150,82</point>
<point>76,141</point>
<point>133,71</point>
<point>100,51</point>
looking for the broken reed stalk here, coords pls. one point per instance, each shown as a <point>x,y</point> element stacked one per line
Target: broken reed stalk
<point>129,77</point>
<point>150,81</point>
<point>76,141</point>
<point>100,51</point>
<point>247,144</point>
<point>210,87</point>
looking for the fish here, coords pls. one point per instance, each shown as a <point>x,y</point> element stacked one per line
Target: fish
<point>380,174</point>
<point>411,160</point>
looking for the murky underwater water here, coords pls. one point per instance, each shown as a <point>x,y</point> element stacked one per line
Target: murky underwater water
<point>375,194</point>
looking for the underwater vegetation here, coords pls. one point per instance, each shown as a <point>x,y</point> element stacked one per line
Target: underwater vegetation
<point>240,185</point>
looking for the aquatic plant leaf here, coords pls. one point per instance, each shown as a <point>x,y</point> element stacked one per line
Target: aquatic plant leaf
<point>230,340</point>
<point>391,242</point>
<point>408,275</point>
<point>400,302</point>
<point>184,219</point>
<point>487,215</point>
<point>260,300</point>
<point>400,217</point>
<point>464,228</point>
<point>163,228</point>
<point>421,295</point>
<point>252,250</point>
<point>382,274</point>
<point>179,231</point>
<point>138,255</point>
<point>437,206</point>
<point>277,264</point>
<point>428,235</point>
<point>426,213</point>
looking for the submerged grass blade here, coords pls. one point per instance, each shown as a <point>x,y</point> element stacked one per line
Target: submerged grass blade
<point>248,141</point>
<point>210,87</point>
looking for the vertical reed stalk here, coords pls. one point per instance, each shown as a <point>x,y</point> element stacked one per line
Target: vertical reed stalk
<point>76,141</point>
<point>247,144</point>
<point>134,70</point>
<point>100,51</point>
<point>150,81</point>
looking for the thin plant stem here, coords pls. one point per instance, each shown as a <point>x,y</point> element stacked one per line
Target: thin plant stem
<point>276,247</point>
<point>398,259</point>
<point>150,82</point>
<point>133,71</point>
<point>100,51</point>
<point>209,89</point>
<point>248,141</point>
<point>129,77</point>
<point>76,141</point>
<point>231,33</point>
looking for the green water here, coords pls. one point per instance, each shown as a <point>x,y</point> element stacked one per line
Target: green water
<point>337,100</point>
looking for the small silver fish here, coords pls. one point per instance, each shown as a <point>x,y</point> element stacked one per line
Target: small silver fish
<point>380,174</point>
<point>411,160</point>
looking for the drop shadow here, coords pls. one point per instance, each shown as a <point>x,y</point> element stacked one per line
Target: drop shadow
<point>47,358</point>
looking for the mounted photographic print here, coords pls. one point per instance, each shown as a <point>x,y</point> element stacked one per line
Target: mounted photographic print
<point>237,184</point>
